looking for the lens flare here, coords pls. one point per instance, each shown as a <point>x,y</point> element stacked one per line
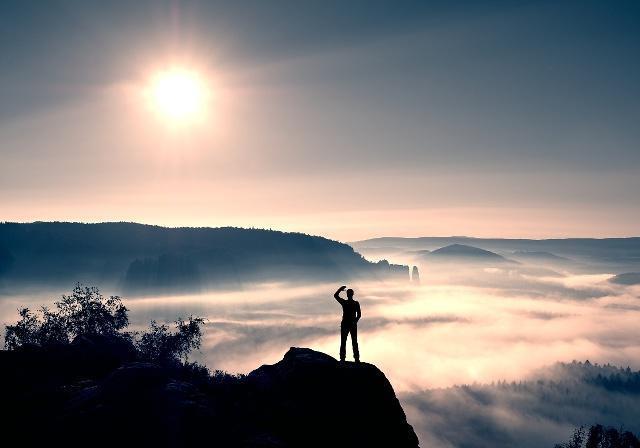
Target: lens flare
<point>179,94</point>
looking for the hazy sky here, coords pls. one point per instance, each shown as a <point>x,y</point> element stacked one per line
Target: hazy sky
<point>347,119</point>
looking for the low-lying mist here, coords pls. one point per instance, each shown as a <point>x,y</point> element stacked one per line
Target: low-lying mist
<point>472,325</point>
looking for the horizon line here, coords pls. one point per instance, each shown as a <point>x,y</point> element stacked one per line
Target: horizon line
<point>166,226</point>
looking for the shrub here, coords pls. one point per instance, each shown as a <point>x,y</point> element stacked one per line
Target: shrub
<point>25,331</point>
<point>160,344</point>
<point>84,312</point>
<point>87,312</point>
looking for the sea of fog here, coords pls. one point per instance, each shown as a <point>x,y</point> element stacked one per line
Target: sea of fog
<point>490,325</point>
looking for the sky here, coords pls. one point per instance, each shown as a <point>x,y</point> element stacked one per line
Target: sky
<point>345,119</point>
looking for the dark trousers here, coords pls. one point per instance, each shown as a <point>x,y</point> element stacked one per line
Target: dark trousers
<point>345,329</point>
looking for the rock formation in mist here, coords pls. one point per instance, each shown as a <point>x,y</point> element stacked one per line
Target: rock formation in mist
<point>395,271</point>
<point>415,275</point>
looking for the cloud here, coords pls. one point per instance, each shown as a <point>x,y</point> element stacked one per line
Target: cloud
<point>244,340</point>
<point>623,306</point>
<point>239,339</point>
<point>381,322</point>
<point>543,315</point>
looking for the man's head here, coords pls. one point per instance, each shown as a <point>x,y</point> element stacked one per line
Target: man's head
<point>350,293</point>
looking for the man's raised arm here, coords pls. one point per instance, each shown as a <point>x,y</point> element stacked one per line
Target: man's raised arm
<point>337,294</point>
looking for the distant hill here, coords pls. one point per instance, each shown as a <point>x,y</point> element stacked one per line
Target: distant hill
<point>539,256</point>
<point>418,252</point>
<point>621,254</point>
<point>628,278</point>
<point>148,258</point>
<point>461,252</point>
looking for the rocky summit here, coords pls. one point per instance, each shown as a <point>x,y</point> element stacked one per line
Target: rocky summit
<point>309,398</point>
<point>95,393</point>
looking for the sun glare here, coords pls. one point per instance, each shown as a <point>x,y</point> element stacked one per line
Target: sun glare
<point>179,94</point>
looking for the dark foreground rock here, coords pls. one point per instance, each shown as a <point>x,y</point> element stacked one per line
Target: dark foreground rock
<point>72,396</point>
<point>310,398</point>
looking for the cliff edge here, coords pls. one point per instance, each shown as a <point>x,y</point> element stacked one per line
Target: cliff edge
<point>95,393</point>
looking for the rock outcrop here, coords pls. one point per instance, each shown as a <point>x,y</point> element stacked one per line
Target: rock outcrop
<point>415,275</point>
<point>310,399</point>
<point>92,393</point>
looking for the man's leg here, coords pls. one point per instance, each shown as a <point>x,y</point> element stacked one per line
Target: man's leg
<point>354,342</point>
<point>344,331</point>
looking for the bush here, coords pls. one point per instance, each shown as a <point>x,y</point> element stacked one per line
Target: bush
<point>28,330</point>
<point>84,312</point>
<point>160,344</point>
<point>87,312</point>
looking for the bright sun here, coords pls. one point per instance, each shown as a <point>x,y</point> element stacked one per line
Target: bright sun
<point>179,94</point>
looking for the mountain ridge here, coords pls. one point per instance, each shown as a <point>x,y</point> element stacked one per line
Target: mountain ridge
<point>463,250</point>
<point>148,258</point>
<point>584,254</point>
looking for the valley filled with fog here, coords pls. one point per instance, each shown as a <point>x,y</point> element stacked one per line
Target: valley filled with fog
<point>467,322</point>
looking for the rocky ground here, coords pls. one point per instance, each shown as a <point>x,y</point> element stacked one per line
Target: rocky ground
<point>95,392</point>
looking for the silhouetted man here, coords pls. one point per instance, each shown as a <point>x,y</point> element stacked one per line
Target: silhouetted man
<point>350,316</point>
